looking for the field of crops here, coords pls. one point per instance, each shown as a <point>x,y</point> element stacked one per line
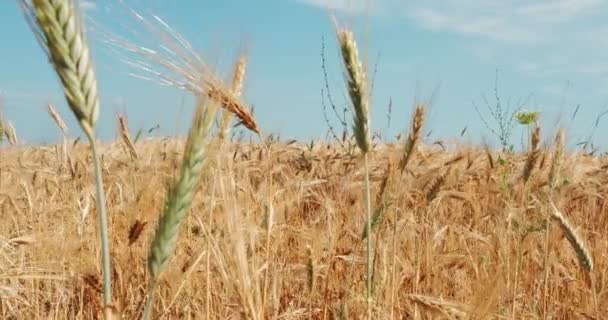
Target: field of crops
<point>276,230</point>
<point>212,227</point>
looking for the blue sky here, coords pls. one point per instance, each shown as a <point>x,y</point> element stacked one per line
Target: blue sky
<point>553,51</point>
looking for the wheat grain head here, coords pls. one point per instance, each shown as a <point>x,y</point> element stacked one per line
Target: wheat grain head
<point>125,135</point>
<point>177,64</point>
<point>533,154</point>
<point>356,82</point>
<point>231,103</point>
<point>413,137</point>
<point>57,118</point>
<point>577,242</point>
<point>60,31</point>
<point>11,134</point>
<point>238,77</point>
<point>556,162</point>
<point>180,196</point>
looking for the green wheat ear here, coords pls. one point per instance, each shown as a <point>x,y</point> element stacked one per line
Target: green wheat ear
<point>59,29</point>
<point>356,82</point>
<point>180,196</point>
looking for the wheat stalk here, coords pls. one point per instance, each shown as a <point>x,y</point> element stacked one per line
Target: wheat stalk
<point>356,83</point>
<point>180,196</point>
<point>553,181</point>
<point>310,278</point>
<point>237,87</point>
<point>59,29</point>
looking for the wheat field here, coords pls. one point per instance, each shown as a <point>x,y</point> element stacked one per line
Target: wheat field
<point>459,236</point>
<point>211,227</point>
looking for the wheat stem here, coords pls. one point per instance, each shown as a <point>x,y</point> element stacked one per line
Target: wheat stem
<point>369,237</point>
<point>356,83</point>
<point>59,30</point>
<point>103,227</point>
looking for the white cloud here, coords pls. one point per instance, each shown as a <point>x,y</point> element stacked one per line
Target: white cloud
<point>517,21</point>
<point>470,24</point>
<point>514,21</point>
<point>353,7</point>
<point>557,11</point>
<point>539,37</point>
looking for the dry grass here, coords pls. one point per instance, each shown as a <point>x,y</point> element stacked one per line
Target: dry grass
<point>451,249</point>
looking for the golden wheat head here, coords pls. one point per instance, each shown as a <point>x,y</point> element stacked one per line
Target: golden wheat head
<point>57,118</point>
<point>576,241</point>
<point>180,66</point>
<point>413,137</point>
<point>533,154</point>
<point>11,134</point>
<point>557,159</point>
<point>237,87</point>
<point>125,135</point>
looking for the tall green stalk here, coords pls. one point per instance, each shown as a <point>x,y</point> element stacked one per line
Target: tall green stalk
<point>356,84</point>
<point>59,28</point>
<point>103,223</point>
<point>368,269</point>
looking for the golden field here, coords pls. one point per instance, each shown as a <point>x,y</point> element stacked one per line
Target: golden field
<point>275,232</point>
<point>207,228</point>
